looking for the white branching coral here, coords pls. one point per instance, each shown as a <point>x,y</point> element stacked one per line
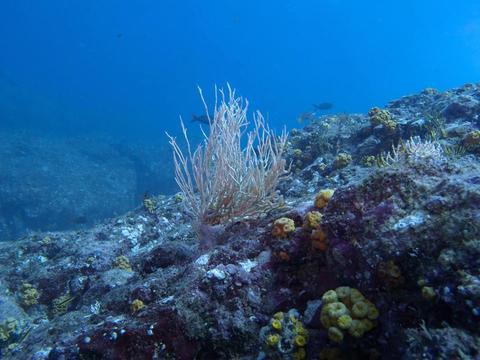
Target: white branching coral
<point>414,151</point>
<point>233,173</point>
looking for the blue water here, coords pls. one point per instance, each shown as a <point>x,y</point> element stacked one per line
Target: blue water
<point>129,69</point>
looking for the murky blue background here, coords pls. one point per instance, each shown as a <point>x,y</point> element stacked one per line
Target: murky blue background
<point>129,69</point>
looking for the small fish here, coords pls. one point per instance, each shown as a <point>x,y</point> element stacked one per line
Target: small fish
<point>204,119</point>
<point>323,106</point>
<point>119,35</point>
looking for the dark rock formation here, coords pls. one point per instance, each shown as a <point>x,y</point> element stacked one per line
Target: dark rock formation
<point>51,184</point>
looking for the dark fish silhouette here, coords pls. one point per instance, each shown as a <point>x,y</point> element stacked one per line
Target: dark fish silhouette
<point>201,119</point>
<point>323,106</point>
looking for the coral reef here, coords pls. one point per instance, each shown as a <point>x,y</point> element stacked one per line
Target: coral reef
<point>285,337</point>
<point>382,117</point>
<point>384,266</point>
<point>346,309</point>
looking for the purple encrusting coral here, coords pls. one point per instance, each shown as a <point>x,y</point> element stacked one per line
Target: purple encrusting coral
<point>402,235</point>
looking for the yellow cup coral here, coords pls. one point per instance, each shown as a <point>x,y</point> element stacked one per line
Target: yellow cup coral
<point>283,227</point>
<point>300,330</point>
<point>344,321</point>
<point>272,339</point>
<point>346,309</point>
<point>382,117</point>
<point>360,309</point>
<point>323,197</point>
<point>300,341</point>
<point>312,220</point>
<point>121,262</point>
<point>278,315</point>
<point>356,296</point>
<point>336,309</point>
<point>136,305</point>
<point>276,324</point>
<point>329,297</point>
<point>356,329</point>
<point>343,293</point>
<point>285,335</point>
<point>335,334</point>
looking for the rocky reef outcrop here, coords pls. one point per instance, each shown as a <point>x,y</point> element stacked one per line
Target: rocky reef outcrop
<point>52,183</point>
<point>373,255</point>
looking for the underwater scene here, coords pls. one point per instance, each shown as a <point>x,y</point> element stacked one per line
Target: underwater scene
<point>239,180</point>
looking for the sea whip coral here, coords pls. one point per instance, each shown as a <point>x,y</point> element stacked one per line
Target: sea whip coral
<point>222,180</point>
